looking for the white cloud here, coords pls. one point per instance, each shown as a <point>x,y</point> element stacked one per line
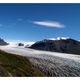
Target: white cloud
<point>49,24</point>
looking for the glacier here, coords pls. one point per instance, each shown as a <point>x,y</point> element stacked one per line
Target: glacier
<point>52,63</point>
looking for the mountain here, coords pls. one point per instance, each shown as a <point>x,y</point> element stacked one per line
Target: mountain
<point>2,42</point>
<point>64,45</point>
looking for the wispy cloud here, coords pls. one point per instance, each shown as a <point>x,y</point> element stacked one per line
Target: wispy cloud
<point>49,24</point>
<point>1,25</point>
<point>20,19</point>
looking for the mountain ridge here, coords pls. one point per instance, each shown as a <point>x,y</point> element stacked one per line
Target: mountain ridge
<point>64,45</point>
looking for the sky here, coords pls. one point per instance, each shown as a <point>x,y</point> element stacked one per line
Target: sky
<point>33,22</point>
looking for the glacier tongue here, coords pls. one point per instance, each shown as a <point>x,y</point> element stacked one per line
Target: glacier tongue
<point>51,63</point>
<point>31,52</point>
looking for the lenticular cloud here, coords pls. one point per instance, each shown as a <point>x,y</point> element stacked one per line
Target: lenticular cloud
<point>49,24</point>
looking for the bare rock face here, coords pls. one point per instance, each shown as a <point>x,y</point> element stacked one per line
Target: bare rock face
<point>59,45</point>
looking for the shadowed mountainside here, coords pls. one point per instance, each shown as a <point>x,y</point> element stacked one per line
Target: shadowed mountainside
<point>63,45</point>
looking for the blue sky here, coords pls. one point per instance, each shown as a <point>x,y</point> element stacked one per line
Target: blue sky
<point>32,22</point>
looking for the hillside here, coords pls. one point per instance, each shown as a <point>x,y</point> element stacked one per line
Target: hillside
<point>64,45</point>
<point>15,65</point>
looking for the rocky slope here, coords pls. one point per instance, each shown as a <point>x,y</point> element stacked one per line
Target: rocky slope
<point>64,45</point>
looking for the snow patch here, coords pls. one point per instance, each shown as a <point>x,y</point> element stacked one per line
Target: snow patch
<point>59,38</point>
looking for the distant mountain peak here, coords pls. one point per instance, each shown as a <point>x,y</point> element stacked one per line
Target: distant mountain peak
<point>59,38</point>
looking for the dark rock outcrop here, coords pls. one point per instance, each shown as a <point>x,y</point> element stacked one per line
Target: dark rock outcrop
<point>20,44</point>
<point>63,45</point>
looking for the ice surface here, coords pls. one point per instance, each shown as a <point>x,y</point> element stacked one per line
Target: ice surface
<point>32,52</point>
<point>52,63</point>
